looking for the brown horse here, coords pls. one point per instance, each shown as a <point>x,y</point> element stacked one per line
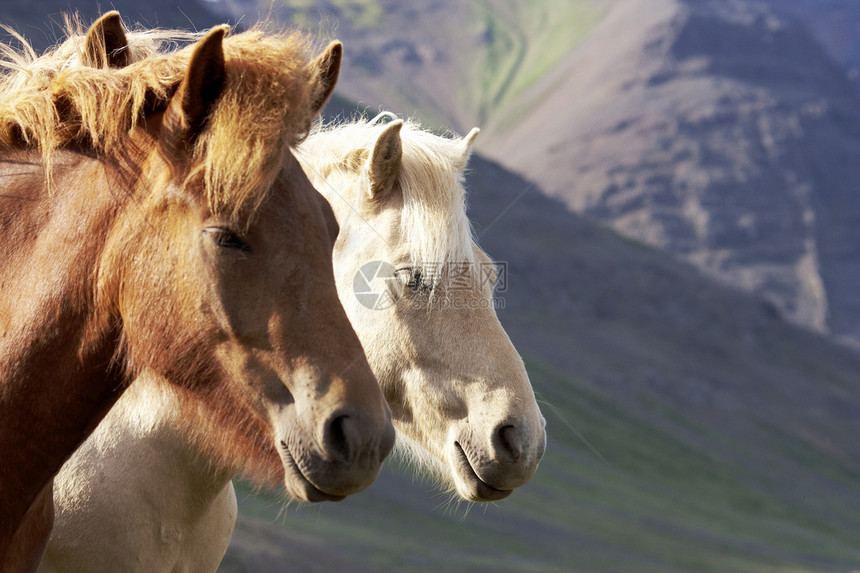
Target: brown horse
<point>154,218</point>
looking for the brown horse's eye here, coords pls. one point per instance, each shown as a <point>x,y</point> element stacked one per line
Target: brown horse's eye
<point>227,239</point>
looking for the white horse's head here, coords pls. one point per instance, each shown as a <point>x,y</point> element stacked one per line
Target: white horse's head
<point>419,293</point>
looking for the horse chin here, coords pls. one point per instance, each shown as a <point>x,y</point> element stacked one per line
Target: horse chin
<point>297,485</point>
<point>468,484</point>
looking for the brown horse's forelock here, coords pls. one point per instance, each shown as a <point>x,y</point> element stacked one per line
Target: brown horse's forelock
<point>54,101</point>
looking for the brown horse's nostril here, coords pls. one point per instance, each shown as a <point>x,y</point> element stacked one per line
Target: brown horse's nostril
<point>342,438</point>
<point>508,442</point>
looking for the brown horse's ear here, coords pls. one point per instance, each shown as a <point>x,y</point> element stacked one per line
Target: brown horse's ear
<point>385,162</point>
<point>106,44</point>
<point>190,106</point>
<point>324,70</point>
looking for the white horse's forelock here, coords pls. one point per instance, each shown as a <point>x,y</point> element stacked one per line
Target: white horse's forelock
<point>433,224</point>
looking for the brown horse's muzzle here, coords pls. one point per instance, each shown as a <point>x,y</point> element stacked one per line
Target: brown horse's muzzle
<point>345,458</point>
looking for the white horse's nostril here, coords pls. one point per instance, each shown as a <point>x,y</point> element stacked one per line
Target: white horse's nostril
<point>508,442</point>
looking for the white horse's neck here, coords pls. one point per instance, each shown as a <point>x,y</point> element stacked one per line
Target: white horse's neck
<point>138,440</point>
<point>149,411</point>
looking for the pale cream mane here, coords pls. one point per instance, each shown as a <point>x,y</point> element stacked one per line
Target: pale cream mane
<point>433,223</point>
<point>51,101</point>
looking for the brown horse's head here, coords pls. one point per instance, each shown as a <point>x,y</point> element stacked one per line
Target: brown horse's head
<point>419,292</point>
<point>219,264</point>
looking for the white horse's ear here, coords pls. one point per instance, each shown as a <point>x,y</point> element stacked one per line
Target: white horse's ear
<point>469,140</point>
<point>385,162</point>
<point>466,146</point>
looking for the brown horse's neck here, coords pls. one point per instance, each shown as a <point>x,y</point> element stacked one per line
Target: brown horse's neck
<point>55,347</point>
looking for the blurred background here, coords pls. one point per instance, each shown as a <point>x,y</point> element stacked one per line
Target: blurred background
<point>675,188</point>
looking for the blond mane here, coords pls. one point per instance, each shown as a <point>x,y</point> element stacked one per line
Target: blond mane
<point>52,101</point>
<point>433,222</point>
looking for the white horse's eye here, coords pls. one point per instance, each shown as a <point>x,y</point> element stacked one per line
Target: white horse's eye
<point>413,279</point>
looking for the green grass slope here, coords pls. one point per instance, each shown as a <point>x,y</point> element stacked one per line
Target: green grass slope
<point>521,42</point>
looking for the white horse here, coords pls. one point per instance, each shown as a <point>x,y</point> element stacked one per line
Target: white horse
<point>137,496</point>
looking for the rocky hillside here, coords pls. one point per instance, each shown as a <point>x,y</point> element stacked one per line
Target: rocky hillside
<point>716,131</point>
<point>834,23</point>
